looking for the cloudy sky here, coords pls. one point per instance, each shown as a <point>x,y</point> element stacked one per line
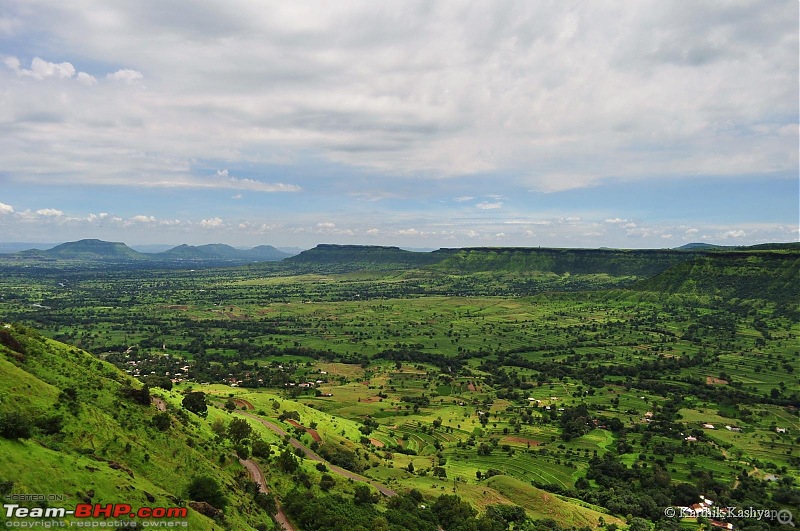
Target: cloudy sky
<point>420,124</point>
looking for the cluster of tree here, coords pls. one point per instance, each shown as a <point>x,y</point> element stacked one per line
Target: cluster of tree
<point>644,491</point>
<point>340,456</point>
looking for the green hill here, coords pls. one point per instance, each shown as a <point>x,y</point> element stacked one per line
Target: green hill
<point>615,262</point>
<point>221,252</point>
<point>93,250</point>
<point>742,275</point>
<point>341,258</point>
<point>73,425</point>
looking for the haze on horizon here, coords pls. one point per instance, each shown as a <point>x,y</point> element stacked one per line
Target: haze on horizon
<point>417,124</point>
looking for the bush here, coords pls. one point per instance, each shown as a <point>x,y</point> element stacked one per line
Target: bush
<point>204,488</point>
<point>327,482</point>
<point>14,425</point>
<point>50,425</point>
<point>162,421</point>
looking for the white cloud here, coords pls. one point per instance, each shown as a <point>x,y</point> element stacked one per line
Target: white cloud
<point>211,223</point>
<point>558,99</point>
<point>6,209</point>
<point>692,231</point>
<point>86,79</point>
<point>326,225</point>
<point>125,75</point>
<point>615,221</point>
<point>143,219</point>
<point>49,212</point>
<point>236,196</point>
<point>408,232</point>
<point>489,206</point>
<point>733,234</point>
<point>41,69</point>
<point>463,198</point>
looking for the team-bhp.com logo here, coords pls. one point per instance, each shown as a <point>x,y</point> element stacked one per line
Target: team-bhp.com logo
<point>18,516</point>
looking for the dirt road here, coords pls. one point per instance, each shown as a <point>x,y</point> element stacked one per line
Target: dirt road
<point>258,477</point>
<point>386,491</point>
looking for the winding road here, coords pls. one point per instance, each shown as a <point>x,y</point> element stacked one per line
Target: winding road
<point>258,477</point>
<point>386,491</point>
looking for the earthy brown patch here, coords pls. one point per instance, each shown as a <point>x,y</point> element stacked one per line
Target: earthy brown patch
<point>376,443</point>
<point>313,433</point>
<point>519,440</point>
<point>710,380</point>
<point>471,387</point>
<point>370,399</point>
<point>242,403</point>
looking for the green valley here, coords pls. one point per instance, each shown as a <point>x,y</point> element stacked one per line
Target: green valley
<point>377,388</point>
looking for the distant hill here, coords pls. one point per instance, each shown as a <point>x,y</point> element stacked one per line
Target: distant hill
<point>758,247</point>
<point>92,250</point>
<point>15,247</point>
<point>355,257</point>
<point>616,262</point>
<point>219,251</point>
<point>698,247</point>
<point>267,252</point>
<point>102,251</point>
<point>734,275</point>
<point>152,248</point>
<point>291,251</point>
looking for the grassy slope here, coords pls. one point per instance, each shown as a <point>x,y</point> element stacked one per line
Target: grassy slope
<point>762,275</point>
<point>101,429</point>
<point>541,504</point>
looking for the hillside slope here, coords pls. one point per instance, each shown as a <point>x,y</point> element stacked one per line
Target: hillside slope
<point>614,262</point>
<point>742,275</point>
<point>76,426</point>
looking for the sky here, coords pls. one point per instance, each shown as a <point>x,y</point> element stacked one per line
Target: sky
<point>631,124</point>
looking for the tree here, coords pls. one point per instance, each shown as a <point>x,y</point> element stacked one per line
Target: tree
<point>266,502</point>
<point>162,421</point>
<point>363,495</point>
<point>238,430</point>
<point>286,461</point>
<point>452,511</point>
<point>196,403</point>
<point>327,482</point>
<point>204,488</point>
<point>410,467</point>
<point>261,449</point>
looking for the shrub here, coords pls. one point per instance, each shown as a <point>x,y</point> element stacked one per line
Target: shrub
<point>14,425</point>
<point>204,488</point>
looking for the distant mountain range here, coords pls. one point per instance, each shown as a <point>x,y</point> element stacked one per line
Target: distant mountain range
<point>639,262</point>
<point>92,249</point>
